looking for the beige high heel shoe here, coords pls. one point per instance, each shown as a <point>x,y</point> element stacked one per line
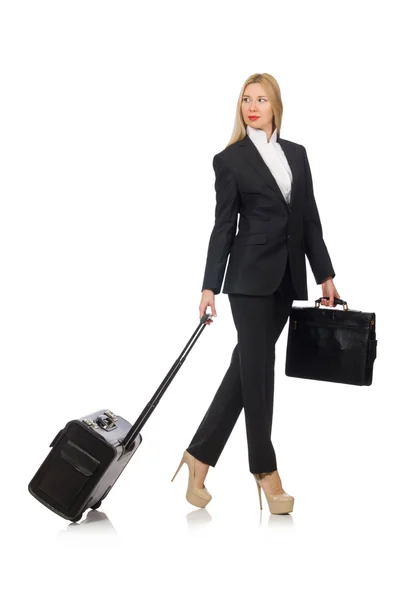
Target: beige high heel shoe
<point>196,496</point>
<point>279,504</point>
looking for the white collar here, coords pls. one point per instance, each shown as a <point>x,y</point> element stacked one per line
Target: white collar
<point>260,136</point>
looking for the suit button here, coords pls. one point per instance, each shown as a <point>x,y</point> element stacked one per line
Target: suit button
<point>289,236</point>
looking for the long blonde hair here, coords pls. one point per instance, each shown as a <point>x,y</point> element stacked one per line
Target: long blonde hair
<point>272,90</point>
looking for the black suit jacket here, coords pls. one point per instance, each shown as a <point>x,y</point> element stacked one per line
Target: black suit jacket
<point>269,228</point>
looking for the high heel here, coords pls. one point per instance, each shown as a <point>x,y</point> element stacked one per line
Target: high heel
<point>279,504</point>
<point>196,496</point>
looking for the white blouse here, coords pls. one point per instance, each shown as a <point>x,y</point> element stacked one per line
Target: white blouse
<point>274,157</point>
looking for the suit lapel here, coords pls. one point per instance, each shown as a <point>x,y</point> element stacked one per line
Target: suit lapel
<point>255,159</point>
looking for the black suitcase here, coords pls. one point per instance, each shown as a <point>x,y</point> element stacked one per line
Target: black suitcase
<point>89,454</point>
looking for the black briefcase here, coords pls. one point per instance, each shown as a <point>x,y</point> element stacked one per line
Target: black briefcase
<point>89,454</point>
<point>331,345</point>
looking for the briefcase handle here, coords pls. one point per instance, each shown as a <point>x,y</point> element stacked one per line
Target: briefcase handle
<point>336,301</point>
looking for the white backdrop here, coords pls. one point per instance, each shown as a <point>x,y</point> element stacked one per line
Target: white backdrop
<point>111,113</point>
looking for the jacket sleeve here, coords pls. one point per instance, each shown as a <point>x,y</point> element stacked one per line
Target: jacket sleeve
<point>222,236</point>
<point>315,248</point>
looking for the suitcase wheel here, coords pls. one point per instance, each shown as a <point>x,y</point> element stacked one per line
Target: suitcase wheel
<point>77,518</point>
<point>97,505</point>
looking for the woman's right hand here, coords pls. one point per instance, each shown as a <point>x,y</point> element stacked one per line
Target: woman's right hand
<point>207,299</point>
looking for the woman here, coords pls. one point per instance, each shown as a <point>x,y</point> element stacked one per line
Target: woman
<point>267,181</point>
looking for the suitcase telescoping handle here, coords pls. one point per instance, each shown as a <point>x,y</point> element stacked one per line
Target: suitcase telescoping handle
<point>151,405</point>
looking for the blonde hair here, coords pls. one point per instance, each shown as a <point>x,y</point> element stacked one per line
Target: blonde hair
<point>272,91</point>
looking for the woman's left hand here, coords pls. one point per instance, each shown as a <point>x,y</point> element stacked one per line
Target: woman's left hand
<point>329,289</point>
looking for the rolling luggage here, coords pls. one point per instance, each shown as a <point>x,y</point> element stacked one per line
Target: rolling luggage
<point>89,454</point>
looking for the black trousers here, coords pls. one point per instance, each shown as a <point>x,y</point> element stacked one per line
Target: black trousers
<point>249,381</point>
